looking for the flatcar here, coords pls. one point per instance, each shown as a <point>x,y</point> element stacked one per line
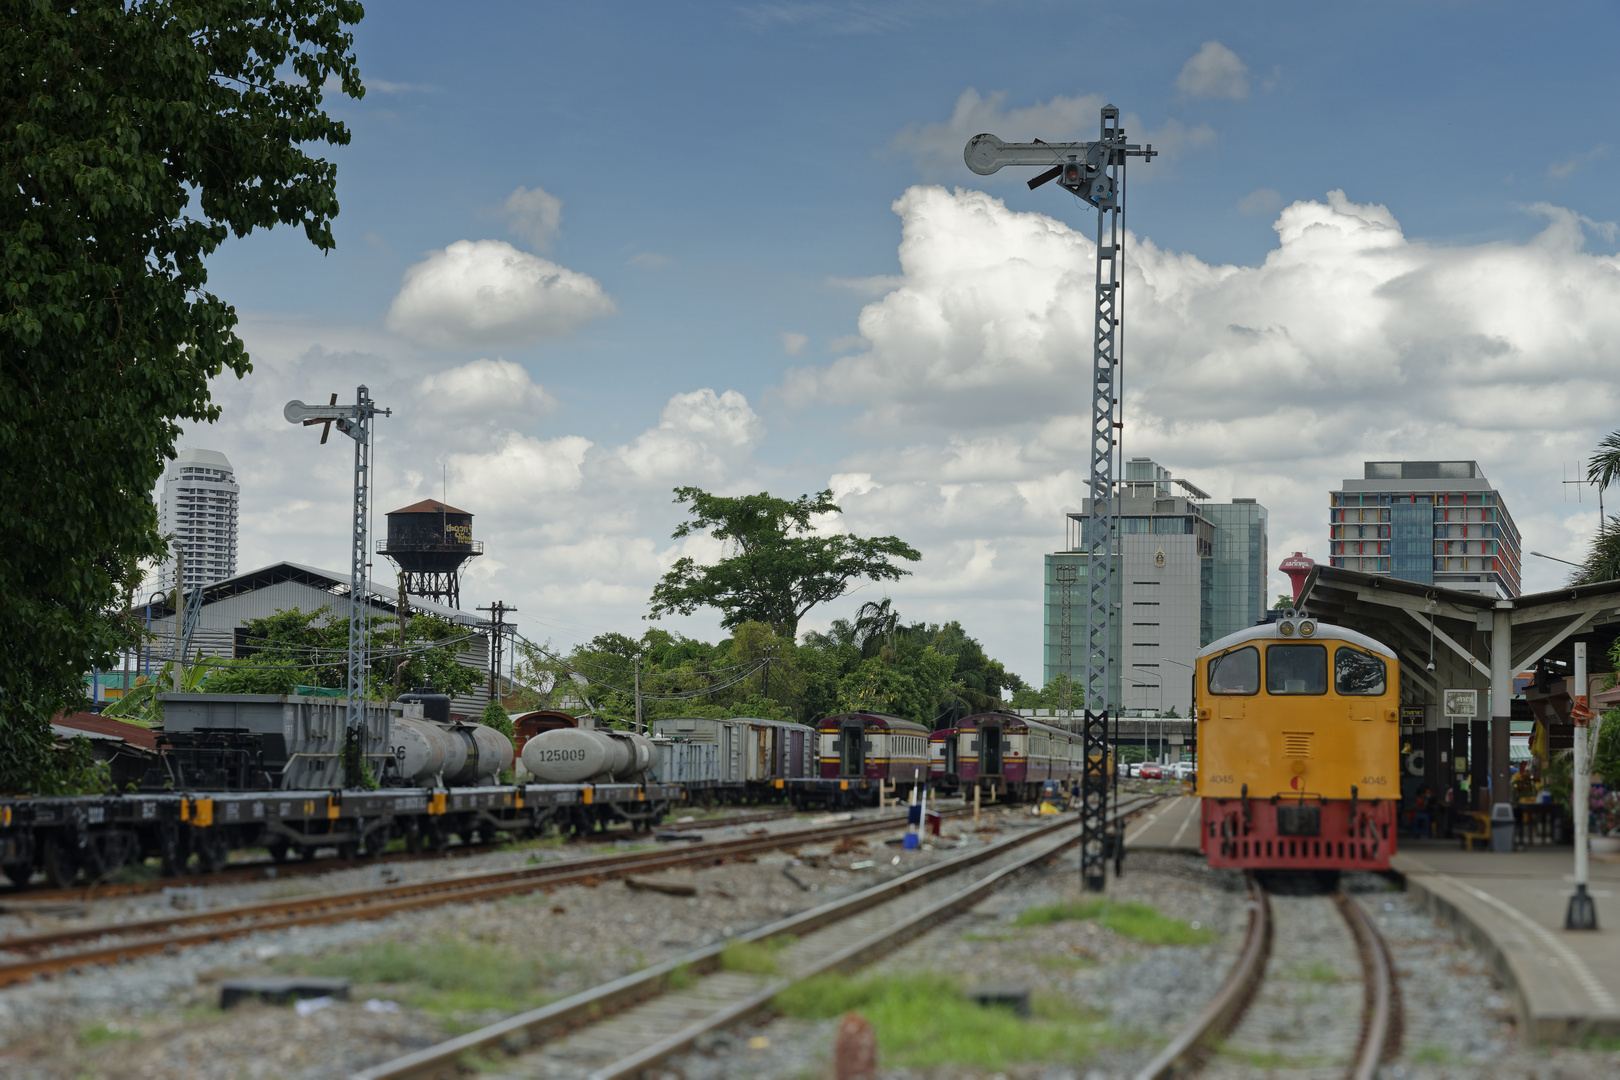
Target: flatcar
<point>1009,756</point>
<point>1299,748</point>
<point>873,746</point>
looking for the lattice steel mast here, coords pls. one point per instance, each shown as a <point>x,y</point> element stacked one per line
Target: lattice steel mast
<point>355,422</point>
<point>1095,171</point>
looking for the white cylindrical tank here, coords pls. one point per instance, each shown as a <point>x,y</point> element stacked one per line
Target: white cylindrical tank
<point>461,754</point>
<point>571,755</point>
<point>422,749</point>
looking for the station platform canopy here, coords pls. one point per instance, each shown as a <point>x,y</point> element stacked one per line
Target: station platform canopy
<point>1463,628</point>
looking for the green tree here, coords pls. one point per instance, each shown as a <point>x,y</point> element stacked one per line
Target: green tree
<point>778,568</point>
<point>495,716</point>
<point>137,134</point>
<point>1284,602</point>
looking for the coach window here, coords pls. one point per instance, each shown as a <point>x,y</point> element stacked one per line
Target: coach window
<point>1236,672</point>
<point>1356,672</point>
<point>1296,669</point>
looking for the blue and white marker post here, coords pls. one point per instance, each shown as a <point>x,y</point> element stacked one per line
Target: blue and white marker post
<point>914,813</point>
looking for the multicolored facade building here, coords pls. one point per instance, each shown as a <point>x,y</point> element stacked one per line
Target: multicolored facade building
<point>1432,522</point>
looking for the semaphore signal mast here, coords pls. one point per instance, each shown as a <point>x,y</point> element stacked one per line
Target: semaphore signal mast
<point>1094,171</point>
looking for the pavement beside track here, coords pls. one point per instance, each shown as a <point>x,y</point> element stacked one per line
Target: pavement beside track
<point>1510,906</point>
<point>1172,825</point>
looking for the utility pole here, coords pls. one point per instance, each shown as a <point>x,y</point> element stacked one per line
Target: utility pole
<point>1582,913</point>
<point>355,422</point>
<point>638,692</point>
<point>1066,578</point>
<point>179,610</point>
<point>768,653</point>
<point>1095,172</point>
<point>497,628</point>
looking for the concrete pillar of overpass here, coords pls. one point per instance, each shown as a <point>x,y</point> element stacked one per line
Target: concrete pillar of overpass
<point>1501,715</point>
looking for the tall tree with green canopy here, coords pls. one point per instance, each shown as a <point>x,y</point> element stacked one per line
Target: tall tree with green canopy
<point>777,567</point>
<point>1602,562</point>
<point>135,135</point>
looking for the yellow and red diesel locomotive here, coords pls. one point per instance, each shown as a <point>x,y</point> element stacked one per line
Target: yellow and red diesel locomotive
<point>1298,747</point>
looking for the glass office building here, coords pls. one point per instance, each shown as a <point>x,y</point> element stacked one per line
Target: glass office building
<point>1187,570</point>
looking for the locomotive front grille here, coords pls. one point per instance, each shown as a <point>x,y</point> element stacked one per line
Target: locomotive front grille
<point>1296,744</point>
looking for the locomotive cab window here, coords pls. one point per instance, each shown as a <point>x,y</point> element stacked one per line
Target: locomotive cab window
<point>1236,672</point>
<point>1296,669</point>
<point>1357,673</point>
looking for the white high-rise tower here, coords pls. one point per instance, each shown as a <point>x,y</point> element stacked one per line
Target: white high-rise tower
<point>198,508</point>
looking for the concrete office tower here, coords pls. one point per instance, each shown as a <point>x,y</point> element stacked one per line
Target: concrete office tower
<point>198,508</point>
<point>1189,570</point>
<point>1432,522</point>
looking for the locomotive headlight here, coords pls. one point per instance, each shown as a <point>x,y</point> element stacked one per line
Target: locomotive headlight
<point>1307,628</point>
<point>1285,629</point>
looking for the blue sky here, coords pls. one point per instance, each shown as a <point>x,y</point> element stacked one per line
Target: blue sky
<point>726,176</point>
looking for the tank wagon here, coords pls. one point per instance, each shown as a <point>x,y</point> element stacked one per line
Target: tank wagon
<point>1298,747</point>
<point>240,771</point>
<point>875,747</point>
<point>1006,755</point>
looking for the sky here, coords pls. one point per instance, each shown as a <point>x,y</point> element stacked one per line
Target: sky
<point>589,253</point>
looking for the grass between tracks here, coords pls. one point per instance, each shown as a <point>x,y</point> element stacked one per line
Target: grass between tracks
<point>1131,919</point>
<point>448,977</point>
<point>924,1020</point>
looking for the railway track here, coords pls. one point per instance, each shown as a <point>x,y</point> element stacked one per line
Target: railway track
<point>26,897</point>
<point>619,1030</point>
<point>1288,980</point>
<point>110,943</point>
<point>45,953</point>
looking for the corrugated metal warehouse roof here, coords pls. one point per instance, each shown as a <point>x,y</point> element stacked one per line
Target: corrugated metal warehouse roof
<point>228,606</point>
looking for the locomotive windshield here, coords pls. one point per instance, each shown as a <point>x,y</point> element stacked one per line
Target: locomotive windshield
<point>1236,672</point>
<point>1355,672</point>
<point>1296,669</point>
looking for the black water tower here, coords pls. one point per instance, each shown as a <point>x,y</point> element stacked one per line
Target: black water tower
<point>430,541</point>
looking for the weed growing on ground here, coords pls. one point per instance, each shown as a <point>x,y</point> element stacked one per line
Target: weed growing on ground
<point>445,977</point>
<point>682,978</point>
<point>1131,919</point>
<point>925,1020</point>
<point>754,957</point>
<point>1430,1054</point>
<point>1317,971</point>
<point>108,1031</point>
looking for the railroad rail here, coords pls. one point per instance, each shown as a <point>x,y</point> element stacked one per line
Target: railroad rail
<point>107,943</point>
<point>270,870</point>
<point>622,1014</point>
<point>1379,1037</point>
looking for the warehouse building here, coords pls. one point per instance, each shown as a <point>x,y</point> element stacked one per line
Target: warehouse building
<point>229,605</point>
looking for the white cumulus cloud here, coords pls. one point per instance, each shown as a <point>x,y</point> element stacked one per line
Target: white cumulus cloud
<point>534,214</point>
<point>487,292</point>
<point>697,437</point>
<point>1214,71</point>
<point>1351,341</point>
<point>486,388</point>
